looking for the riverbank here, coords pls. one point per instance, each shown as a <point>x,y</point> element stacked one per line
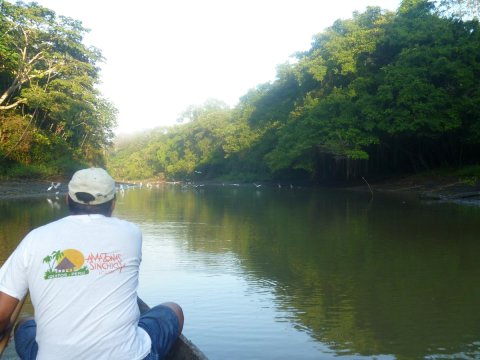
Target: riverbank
<point>425,186</point>
<point>12,189</point>
<point>430,187</point>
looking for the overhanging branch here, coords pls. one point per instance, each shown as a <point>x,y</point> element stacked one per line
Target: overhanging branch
<point>15,104</point>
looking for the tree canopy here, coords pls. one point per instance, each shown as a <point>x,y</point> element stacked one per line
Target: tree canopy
<point>459,8</point>
<point>377,94</point>
<point>52,117</point>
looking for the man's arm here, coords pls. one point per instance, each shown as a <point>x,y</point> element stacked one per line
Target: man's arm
<point>7,307</point>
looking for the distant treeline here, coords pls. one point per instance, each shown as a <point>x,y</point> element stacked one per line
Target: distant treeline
<point>378,94</point>
<point>52,119</point>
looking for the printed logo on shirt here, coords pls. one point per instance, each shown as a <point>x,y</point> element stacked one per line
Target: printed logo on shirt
<point>69,262</point>
<point>105,262</point>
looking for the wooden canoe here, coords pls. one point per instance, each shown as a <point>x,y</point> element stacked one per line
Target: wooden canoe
<point>8,333</point>
<point>183,349</point>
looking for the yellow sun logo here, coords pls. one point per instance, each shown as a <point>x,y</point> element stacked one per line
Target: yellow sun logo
<point>74,257</point>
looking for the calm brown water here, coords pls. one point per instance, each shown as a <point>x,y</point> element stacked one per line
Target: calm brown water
<point>299,273</point>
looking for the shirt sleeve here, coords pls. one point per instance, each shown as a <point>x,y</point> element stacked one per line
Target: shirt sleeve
<point>13,274</point>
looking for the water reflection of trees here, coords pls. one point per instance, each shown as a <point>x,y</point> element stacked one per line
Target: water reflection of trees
<point>380,277</point>
<point>19,216</point>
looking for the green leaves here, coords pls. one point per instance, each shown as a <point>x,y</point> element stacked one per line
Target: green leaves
<point>380,92</point>
<point>48,76</point>
<point>459,8</point>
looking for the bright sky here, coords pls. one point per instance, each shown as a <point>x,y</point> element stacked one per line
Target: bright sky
<point>162,56</point>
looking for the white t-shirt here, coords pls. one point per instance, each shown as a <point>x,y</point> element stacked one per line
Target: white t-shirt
<point>82,274</point>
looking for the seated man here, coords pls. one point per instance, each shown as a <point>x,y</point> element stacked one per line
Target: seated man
<point>82,274</point>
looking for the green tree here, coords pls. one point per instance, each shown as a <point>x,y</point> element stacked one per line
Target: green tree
<point>423,105</point>
<point>47,87</point>
<point>53,258</point>
<point>327,120</point>
<point>379,93</point>
<point>48,260</point>
<point>459,8</point>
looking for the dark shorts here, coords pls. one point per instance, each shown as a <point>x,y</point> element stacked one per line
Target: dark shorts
<point>25,343</point>
<point>160,322</point>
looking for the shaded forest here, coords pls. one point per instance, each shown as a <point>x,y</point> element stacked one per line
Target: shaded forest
<point>52,118</point>
<point>379,94</point>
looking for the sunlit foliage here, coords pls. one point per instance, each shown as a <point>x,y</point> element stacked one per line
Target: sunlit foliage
<point>52,117</point>
<point>378,94</point>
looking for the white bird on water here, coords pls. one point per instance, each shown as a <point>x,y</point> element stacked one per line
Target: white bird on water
<point>54,186</point>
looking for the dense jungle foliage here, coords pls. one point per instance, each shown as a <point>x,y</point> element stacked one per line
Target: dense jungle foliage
<point>52,118</point>
<point>379,94</point>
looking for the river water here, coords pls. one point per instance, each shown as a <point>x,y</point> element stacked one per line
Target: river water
<point>280,273</point>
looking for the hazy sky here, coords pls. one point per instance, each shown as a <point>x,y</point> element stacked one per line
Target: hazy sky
<point>162,56</point>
